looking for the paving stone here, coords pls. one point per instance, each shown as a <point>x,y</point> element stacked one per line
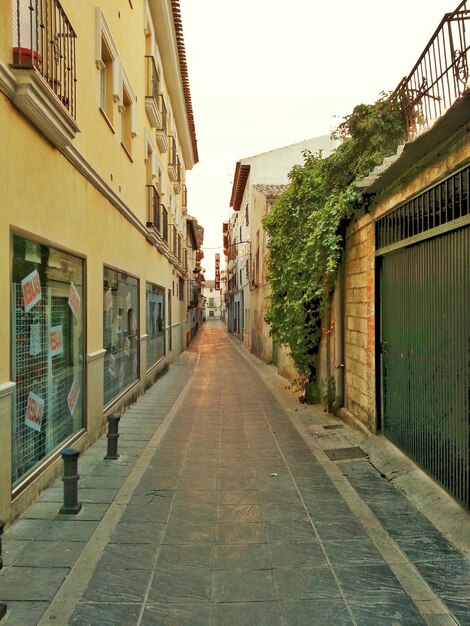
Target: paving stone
<point>50,554</point>
<point>297,555</point>
<point>185,556</point>
<point>317,612</point>
<point>181,587</point>
<point>353,551</point>
<point>117,585</point>
<point>372,581</point>
<point>176,615</point>
<point>122,556</point>
<point>134,532</point>
<point>240,533</point>
<point>105,614</point>
<point>31,583</point>
<point>246,614</point>
<point>397,610</point>
<point>183,533</point>
<point>306,583</point>
<point>243,586</point>
<point>24,613</point>
<point>239,513</point>
<point>250,556</point>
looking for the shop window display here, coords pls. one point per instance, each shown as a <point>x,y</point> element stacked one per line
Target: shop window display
<point>120,332</point>
<point>47,352</point>
<point>155,323</point>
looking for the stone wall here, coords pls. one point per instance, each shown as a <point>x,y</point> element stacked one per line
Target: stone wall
<point>359,330</point>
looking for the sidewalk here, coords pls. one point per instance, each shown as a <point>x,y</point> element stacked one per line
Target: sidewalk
<point>224,510</point>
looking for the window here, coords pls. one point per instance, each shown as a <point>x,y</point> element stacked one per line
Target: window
<point>127,109</point>
<point>47,352</point>
<point>120,332</point>
<point>106,81</point>
<point>107,62</point>
<point>155,323</point>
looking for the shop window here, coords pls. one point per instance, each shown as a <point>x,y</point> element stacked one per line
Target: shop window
<point>120,332</point>
<point>47,352</point>
<point>155,323</point>
<point>170,330</point>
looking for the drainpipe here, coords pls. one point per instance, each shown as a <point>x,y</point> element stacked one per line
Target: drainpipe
<point>339,337</point>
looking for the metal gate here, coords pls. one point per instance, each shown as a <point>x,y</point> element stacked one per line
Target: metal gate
<point>425,334</point>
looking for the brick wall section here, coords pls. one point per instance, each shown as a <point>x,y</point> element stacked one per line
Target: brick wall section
<point>359,312</point>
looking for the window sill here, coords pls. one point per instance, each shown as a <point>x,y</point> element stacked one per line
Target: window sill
<point>127,151</point>
<point>107,120</point>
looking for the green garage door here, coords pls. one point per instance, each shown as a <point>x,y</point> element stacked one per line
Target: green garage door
<point>425,353</point>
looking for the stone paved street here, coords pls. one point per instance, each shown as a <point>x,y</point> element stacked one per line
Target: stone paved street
<point>221,512</point>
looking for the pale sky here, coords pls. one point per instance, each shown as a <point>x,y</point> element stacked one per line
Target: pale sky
<point>265,74</point>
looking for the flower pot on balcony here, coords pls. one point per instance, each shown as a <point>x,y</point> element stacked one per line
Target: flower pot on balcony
<point>27,57</point>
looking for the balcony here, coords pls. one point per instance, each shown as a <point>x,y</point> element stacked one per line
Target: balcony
<point>173,240</point>
<point>44,65</point>
<point>161,134</point>
<point>164,232</point>
<point>184,201</point>
<point>152,88</point>
<point>153,209</point>
<point>439,76</point>
<point>174,166</point>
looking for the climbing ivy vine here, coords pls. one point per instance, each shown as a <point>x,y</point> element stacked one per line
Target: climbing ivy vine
<point>306,226</point>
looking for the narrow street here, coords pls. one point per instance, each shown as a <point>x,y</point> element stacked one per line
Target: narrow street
<point>221,511</point>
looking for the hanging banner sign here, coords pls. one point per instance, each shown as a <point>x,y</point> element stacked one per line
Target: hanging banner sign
<point>73,395</point>
<point>128,301</point>
<point>34,411</point>
<point>31,287</point>
<point>56,345</point>
<point>217,272</point>
<point>108,300</point>
<point>74,300</point>
<point>127,346</point>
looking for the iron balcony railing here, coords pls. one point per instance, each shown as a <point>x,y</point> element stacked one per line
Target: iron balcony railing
<point>163,111</point>
<point>152,87</point>
<point>164,231</point>
<point>173,244</point>
<point>43,38</point>
<point>440,75</point>
<point>153,208</point>
<point>174,164</point>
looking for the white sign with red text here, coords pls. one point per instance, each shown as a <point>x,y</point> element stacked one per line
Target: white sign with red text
<point>73,395</point>
<point>56,344</point>
<point>34,411</point>
<point>74,300</point>
<point>31,287</point>
<point>108,300</point>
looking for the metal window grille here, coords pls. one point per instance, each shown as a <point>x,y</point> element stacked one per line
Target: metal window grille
<point>439,205</point>
<point>50,377</point>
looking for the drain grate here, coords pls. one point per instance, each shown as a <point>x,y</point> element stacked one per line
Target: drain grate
<point>340,454</point>
<point>332,426</point>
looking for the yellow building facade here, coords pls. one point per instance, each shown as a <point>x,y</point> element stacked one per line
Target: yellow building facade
<point>97,133</point>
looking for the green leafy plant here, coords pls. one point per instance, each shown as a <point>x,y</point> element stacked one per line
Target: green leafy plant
<point>306,226</point>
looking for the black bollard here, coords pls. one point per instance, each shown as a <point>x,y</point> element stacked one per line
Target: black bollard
<point>3,606</point>
<point>70,479</point>
<point>113,436</point>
